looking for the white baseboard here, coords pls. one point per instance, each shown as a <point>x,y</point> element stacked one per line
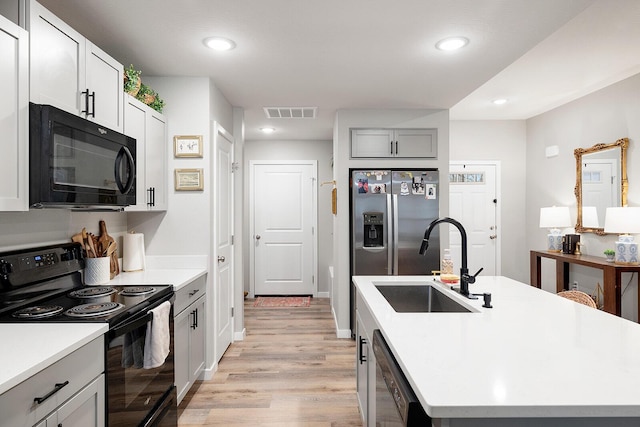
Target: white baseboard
<point>340,333</point>
<point>240,336</point>
<point>323,294</point>
<point>207,373</point>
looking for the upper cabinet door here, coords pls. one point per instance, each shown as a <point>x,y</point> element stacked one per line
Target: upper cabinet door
<point>414,143</point>
<point>14,110</point>
<point>57,61</point>
<point>104,83</point>
<point>372,143</point>
<point>71,73</point>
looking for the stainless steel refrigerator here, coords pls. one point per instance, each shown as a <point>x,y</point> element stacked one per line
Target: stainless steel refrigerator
<point>390,210</point>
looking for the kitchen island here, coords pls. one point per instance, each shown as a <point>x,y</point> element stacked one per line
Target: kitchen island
<point>533,359</point>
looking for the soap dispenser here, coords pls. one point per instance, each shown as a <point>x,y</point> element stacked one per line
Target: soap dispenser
<point>446,266</point>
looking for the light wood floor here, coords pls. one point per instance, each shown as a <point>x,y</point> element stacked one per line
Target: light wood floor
<point>290,370</point>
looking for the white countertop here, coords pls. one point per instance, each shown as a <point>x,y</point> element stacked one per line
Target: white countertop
<point>178,277</point>
<point>533,355</point>
<point>27,348</point>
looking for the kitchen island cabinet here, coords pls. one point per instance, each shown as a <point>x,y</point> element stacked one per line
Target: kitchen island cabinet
<point>531,360</point>
<point>14,127</point>
<point>71,73</point>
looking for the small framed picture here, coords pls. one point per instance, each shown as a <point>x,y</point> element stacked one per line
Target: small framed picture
<point>187,146</point>
<point>189,180</point>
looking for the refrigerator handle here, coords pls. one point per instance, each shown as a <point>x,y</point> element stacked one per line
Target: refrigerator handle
<point>390,235</point>
<point>395,234</point>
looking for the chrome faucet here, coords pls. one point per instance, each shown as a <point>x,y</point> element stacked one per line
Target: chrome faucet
<point>465,278</point>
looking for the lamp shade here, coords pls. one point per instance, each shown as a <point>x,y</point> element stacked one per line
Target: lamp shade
<point>590,217</point>
<point>555,217</point>
<point>623,220</point>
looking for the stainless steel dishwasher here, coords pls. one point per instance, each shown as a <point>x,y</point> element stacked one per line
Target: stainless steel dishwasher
<point>396,403</point>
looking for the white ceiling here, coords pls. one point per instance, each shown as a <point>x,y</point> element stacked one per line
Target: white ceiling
<point>340,54</point>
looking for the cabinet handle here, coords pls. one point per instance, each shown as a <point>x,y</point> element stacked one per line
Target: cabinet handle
<point>56,389</point>
<point>152,196</point>
<point>361,357</point>
<point>396,148</point>
<point>194,323</point>
<point>195,291</point>
<point>391,151</point>
<point>86,103</point>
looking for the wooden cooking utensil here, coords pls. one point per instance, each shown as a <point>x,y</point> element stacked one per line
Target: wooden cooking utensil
<point>109,242</point>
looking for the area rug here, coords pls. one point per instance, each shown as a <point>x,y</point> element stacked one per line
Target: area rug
<point>282,302</point>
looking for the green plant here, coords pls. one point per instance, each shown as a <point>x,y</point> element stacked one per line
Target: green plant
<point>131,79</point>
<point>150,97</point>
<point>609,252</point>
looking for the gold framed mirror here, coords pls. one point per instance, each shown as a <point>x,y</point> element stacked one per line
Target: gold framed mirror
<point>601,182</point>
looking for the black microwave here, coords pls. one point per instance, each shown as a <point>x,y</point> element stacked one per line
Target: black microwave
<point>77,164</point>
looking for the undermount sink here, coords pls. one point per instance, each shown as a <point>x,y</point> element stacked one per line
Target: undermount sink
<point>420,299</point>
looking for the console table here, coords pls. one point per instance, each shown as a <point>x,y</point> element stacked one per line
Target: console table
<point>611,275</point>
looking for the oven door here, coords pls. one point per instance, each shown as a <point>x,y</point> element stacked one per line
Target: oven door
<point>138,396</point>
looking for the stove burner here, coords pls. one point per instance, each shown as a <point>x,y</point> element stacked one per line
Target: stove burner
<point>133,291</point>
<point>94,310</point>
<point>38,312</point>
<point>100,291</point>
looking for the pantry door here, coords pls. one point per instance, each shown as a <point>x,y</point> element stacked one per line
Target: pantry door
<point>283,223</point>
<point>473,201</point>
<point>223,239</point>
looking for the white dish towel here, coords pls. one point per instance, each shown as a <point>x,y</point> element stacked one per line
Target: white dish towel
<point>158,339</point>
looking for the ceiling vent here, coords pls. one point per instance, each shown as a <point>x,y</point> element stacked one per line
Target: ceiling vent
<point>290,112</point>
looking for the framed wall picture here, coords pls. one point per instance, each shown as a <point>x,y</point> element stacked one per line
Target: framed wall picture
<point>187,146</point>
<point>189,180</point>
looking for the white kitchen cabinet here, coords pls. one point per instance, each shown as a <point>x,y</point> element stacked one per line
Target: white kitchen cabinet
<point>149,128</point>
<point>189,335</point>
<point>85,409</point>
<point>71,73</point>
<point>365,362</point>
<point>390,143</point>
<point>70,392</point>
<point>14,108</point>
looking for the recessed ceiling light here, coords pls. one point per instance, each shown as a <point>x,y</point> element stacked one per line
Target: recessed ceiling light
<point>268,130</point>
<point>452,43</point>
<point>499,101</point>
<point>219,43</point>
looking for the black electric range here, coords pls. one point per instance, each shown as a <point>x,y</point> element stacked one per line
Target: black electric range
<point>45,285</point>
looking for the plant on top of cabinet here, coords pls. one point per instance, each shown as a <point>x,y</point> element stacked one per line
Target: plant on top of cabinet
<point>132,80</point>
<point>150,97</point>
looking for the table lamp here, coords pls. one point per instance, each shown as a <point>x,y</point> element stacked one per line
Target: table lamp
<point>624,221</point>
<point>554,218</point>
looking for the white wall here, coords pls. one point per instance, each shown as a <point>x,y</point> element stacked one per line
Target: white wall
<point>322,151</point>
<point>601,117</point>
<point>400,118</point>
<point>504,141</point>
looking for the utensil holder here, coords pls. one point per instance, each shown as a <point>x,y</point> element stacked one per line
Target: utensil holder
<point>97,271</point>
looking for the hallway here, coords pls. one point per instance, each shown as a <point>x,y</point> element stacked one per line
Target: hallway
<point>290,370</point>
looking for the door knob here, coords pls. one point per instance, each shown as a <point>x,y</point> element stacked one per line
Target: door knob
<point>257,237</point>
<point>220,259</point>
<point>493,236</point>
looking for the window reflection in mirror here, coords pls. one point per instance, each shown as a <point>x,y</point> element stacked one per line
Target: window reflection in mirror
<point>601,182</point>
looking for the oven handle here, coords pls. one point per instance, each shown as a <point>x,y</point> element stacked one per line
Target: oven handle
<point>167,404</point>
<point>137,321</point>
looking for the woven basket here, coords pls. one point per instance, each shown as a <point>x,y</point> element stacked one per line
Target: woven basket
<point>579,297</point>
<point>133,92</point>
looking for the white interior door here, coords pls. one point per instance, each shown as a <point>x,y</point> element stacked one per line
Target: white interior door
<point>600,186</point>
<point>473,202</point>
<point>283,200</point>
<point>223,240</point>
